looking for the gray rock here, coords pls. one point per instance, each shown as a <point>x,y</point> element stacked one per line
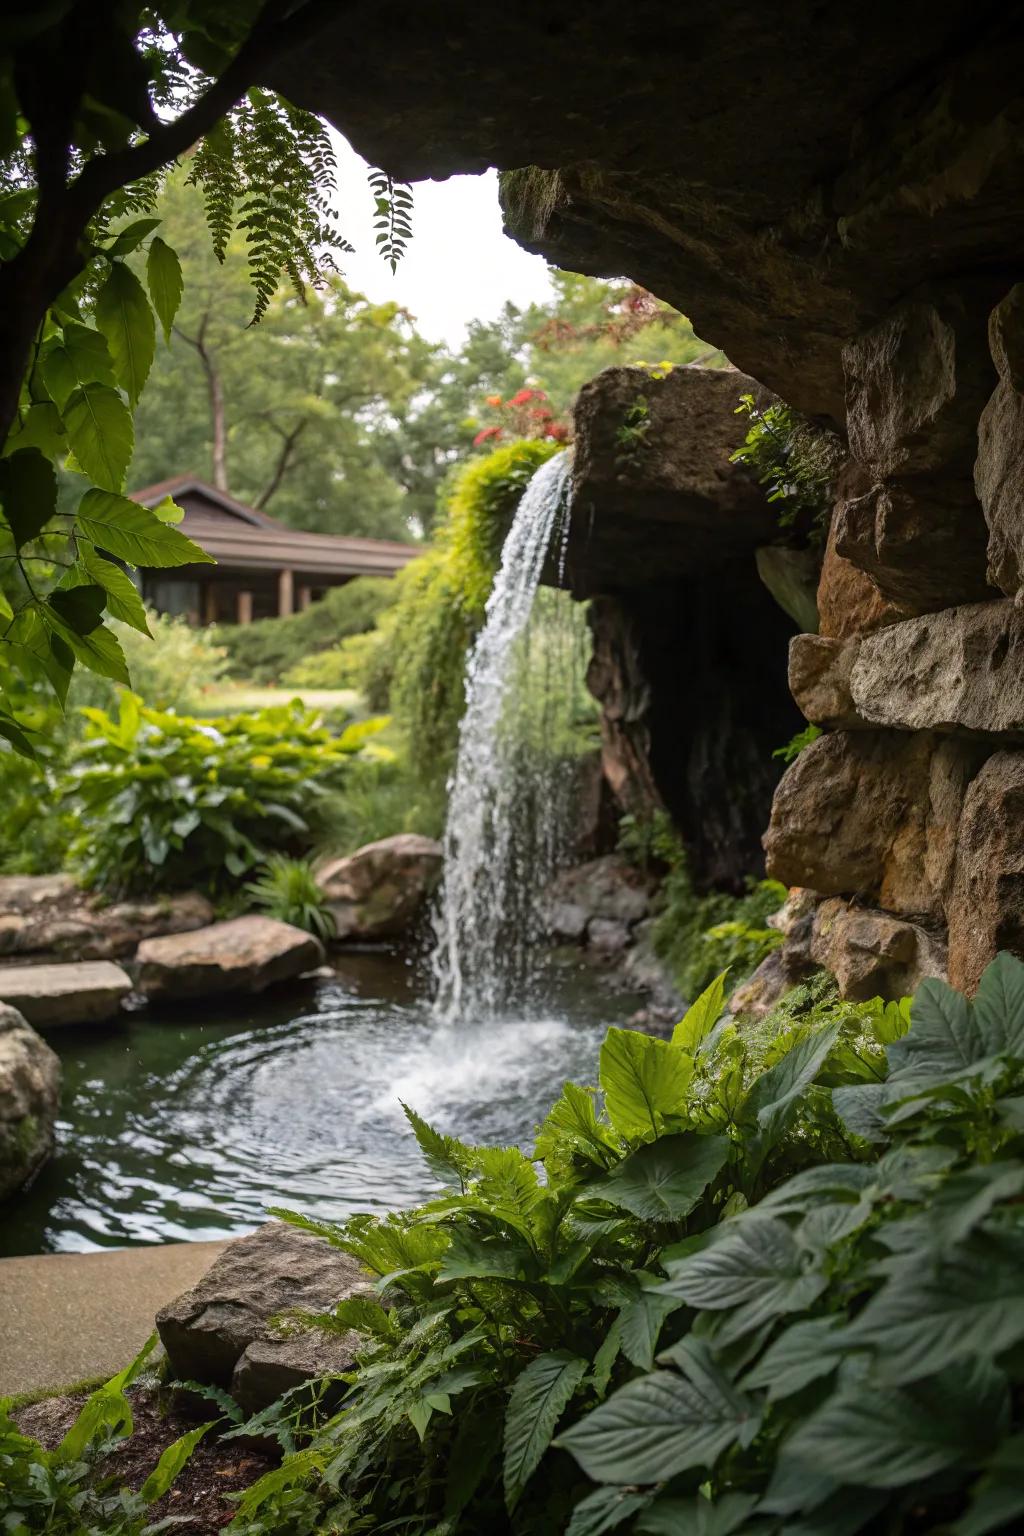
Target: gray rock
<point>245,954</point>
<point>873,954</point>
<point>567,920</point>
<point>999,468</point>
<point>607,937</point>
<point>87,992</point>
<point>30,1078</point>
<point>232,1330</point>
<point>608,888</point>
<point>985,907</point>
<point>379,891</point>
<point>819,679</point>
<point>959,670</point>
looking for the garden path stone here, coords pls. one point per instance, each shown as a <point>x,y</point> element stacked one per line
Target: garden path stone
<point>230,1330</point>
<point>88,992</point>
<point>244,954</point>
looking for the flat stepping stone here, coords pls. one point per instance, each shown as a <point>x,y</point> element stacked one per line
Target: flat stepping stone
<point>87,992</point>
<point>245,954</point>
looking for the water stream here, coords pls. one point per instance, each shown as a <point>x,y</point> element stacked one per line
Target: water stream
<point>508,794</point>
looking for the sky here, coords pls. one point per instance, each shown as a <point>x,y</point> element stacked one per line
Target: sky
<point>459,266</point>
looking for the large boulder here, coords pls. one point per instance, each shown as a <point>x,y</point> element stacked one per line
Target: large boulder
<point>986,905</point>
<point>874,954</point>
<point>232,1329</point>
<point>959,670</point>
<point>87,992</point>
<point>873,813</point>
<point>29,1098</point>
<point>52,915</point>
<point>819,679</point>
<point>378,891</point>
<point>999,469</point>
<point>245,954</point>
<point>848,601</point>
<point>601,900</point>
<point>922,544</point>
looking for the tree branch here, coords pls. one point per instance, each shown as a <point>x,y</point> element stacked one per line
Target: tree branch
<point>281,467</point>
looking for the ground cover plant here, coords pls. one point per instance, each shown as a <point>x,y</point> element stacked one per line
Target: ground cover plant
<point>769,1282</point>
<point>161,801</point>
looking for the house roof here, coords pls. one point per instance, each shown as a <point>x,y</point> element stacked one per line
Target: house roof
<point>243,537</point>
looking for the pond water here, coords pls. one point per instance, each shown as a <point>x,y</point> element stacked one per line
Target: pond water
<point>189,1125</point>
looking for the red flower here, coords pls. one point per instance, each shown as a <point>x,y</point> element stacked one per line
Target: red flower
<point>523,396</point>
<point>558,430</point>
<point>485,435</point>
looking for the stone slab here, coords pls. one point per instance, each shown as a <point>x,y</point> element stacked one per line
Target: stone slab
<point>87,992</point>
<point>242,955</point>
<point>69,1317</point>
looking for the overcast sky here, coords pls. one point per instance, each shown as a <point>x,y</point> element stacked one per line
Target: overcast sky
<point>459,266</point>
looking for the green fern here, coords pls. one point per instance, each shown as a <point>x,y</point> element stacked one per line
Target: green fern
<point>393,221</point>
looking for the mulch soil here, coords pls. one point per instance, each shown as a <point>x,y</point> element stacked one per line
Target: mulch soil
<point>215,1469</point>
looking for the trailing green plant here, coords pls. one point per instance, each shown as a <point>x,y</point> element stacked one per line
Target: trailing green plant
<point>287,889</point>
<point>632,433</point>
<point>162,800</point>
<point>518,1298</point>
<point>441,602</point>
<point>698,934</point>
<point>267,651</point>
<point>68,1491</point>
<point>795,461</point>
<point>792,749</point>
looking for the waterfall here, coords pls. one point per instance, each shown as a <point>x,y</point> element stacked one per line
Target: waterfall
<point>509,789</point>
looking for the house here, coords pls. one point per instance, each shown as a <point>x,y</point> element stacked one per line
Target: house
<point>263,569</point>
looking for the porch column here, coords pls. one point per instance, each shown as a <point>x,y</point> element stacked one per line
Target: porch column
<point>285,593</point>
<point>210,603</point>
<point>243,608</point>
<point>305,598</point>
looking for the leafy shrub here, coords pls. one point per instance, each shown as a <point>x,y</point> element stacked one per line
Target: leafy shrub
<point>66,1492</point>
<point>795,461</point>
<point>263,652</point>
<point>333,668</point>
<point>378,798</point>
<point>759,1290</point>
<point>176,667</point>
<point>287,889</point>
<point>796,744</point>
<point>164,800</point>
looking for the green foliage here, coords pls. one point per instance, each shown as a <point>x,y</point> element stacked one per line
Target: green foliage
<point>697,934</point>
<point>265,652</point>
<point>68,1491</point>
<point>516,1303</point>
<point>162,800</point>
<point>795,461</point>
<point>631,435</point>
<point>791,751</point>
<point>378,798</point>
<point>441,601</point>
<point>287,889</point>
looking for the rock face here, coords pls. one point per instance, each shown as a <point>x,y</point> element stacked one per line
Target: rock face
<point>245,954</point>
<point>959,670</point>
<point>29,1098</point>
<point>224,1332</point>
<point>873,954</point>
<point>51,915</point>
<point>819,679</point>
<point>849,603</point>
<point>49,995</point>
<point>600,901</point>
<point>986,908</point>
<point>999,470</point>
<point>921,549</point>
<point>378,891</point>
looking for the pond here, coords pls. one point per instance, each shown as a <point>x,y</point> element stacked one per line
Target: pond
<point>189,1124</point>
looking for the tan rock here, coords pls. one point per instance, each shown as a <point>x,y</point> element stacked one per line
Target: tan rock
<point>959,670</point>
<point>30,1078</point>
<point>849,603</point>
<point>85,992</point>
<point>922,544</point>
<point>873,954</point>
<point>52,915</point>
<point>819,679</point>
<point>873,814</point>
<point>378,891</point>
<point>245,954</point>
<point>985,908</point>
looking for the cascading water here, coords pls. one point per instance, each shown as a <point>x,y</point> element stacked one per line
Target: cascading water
<point>509,791</point>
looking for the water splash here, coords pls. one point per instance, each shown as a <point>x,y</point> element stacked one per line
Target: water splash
<point>509,793</point>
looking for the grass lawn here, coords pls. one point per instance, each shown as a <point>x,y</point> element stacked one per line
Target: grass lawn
<point>233,699</point>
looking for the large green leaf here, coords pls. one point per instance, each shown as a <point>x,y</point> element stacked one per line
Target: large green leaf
<point>663,1180</point>
<point>701,1017</point>
<point>477,1258</point>
<point>539,1396</point>
<point>100,431</point>
<point>172,1460</point>
<point>997,1499</point>
<point>643,1080</point>
<point>99,650</point>
<point>697,1516</point>
<point>123,600</point>
<point>931,1313</point>
<point>125,318</point>
<point>999,1007</point>
<point>804,1353</point>
<point>42,428</point>
<point>885,1438</point>
<point>28,494</point>
<point>756,1264</point>
<point>79,356</point>
<point>774,1098</point>
<point>944,1037</point>
<point>659,1425</point>
<point>131,532</point>
<point>604,1510</point>
<point>164,280</point>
